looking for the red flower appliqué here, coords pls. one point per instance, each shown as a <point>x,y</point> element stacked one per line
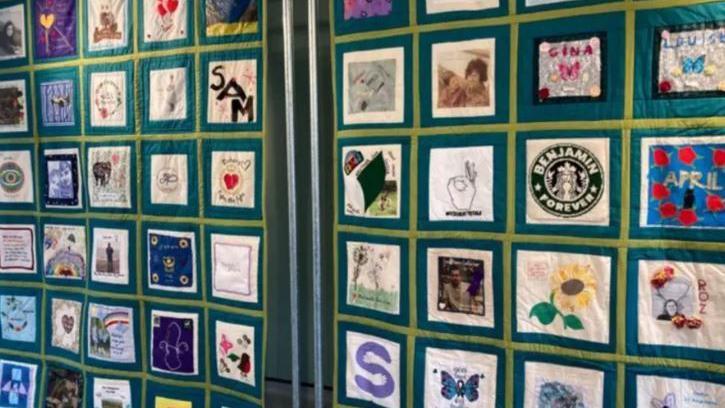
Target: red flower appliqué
<point>687,217</point>
<point>718,157</point>
<point>543,93</point>
<point>661,158</point>
<point>665,86</point>
<point>668,210</point>
<point>687,155</point>
<point>714,203</point>
<point>660,191</point>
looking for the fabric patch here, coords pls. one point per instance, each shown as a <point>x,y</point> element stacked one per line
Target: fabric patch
<point>167,96</point>
<point>231,17</point>
<point>461,184</point>
<point>681,182</point>
<point>372,180</point>
<point>235,352</point>
<point>232,179</point>
<point>18,318</point>
<point>460,286</point>
<point>373,276</point>
<point>12,45</point>
<point>63,187</point>
<point>17,248</point>
<point>364,9</point>
<point>16,177</point>
<point>373,369</point>
<point>679,304</point>
<point>111,393</point>
<point>445,6</point>
<point>232,92</point>
<point>110,333</point>
<point>55,28</point>
<point>64,388</point>
<point>235,262</point>
<point>568,181</point>
<point>107,22</point>
<point>564,294</point>
<point>656,391</point>
<point>162,402</point>
<point>109,97</point>
<point>110,256</point>
<point>17,384</point>
<point>553,385</point>
<point>66,324</point>
<point>172,261</point>
<point>569,69</point>
<point>174,342</point>
<point>460,378</point>
<point>164,20</point>
<point>56,103</point>
<point>13,106</point>
<point>64,251</point>
<point>531,3</point>
<point>373,86</point>
<point>109,176</point>
<point>689,61</point>
<point>169,179</point>
<point>463,78</point>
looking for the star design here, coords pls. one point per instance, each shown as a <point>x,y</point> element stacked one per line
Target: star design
<point>537,187</point>
<point>594,189</point>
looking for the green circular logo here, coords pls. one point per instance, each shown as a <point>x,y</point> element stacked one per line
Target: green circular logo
<point>566,180</point>
<point>12,177</point>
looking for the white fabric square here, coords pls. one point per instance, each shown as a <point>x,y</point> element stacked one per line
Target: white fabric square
<point>107,392</point>
<point>165,20</point>
<point>232,179</point>
<point>373,88</point>
<point>15,46</point>
<point>167,94</point>
<point>445,369</point>
<point>66,324</point>
<point>14,116</point>
<point>235,352</point>
<point>110,256</point>
<point>444,6</point>
<point>373,276</point>
<point>372,180</point>
<point>169,179</point>
<point>64,251</point>
<point>373,369</point>
<point>690,60</point>
<point>234,263</point>
<point>16,177</point>
<point>656,391</point>
<point>109,176</point>
<point>17,248</point>
<point>549,385</point>
<point>107,21</point>
<point>110,333</point>
<point>109,99</point>
<point>570,68</point>
<point>232,92</point>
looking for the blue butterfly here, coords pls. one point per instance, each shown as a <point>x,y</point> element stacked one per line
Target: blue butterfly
<point>452,388</point>
<point>693,65</point>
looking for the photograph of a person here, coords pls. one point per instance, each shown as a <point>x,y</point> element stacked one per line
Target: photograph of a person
<point>460,285</point>
<point>463,78</point>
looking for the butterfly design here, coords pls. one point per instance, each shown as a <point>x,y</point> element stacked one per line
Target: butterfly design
<point>693,65</point>
<point>225,344</point>
<point>569,72</point>
<point>668,402</point>
<point>452,388</point>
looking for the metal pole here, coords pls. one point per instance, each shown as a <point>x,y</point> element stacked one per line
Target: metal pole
<point>289,76</point>
<point>315,182</point>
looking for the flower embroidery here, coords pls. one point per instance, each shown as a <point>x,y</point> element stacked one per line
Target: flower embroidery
<point>672,307</point>
<point>573,287</point>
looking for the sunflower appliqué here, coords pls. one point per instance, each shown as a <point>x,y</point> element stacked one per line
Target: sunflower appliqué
<point>573,287</point>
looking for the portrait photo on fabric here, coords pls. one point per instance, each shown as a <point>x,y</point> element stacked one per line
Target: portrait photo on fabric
<point>460,285</point>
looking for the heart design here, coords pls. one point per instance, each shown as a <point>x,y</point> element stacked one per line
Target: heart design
<point>47,20</point>
<point>166,6</point>
<point>161,9</point>
<point>246,164</point>
<point>231,180</point>
<point>172,5</point>
<point>68,323</point>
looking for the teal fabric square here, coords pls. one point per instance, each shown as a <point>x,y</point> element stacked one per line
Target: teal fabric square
<point>496,77</point>
<point>421,346</point>
<point>360,16</point>
<point>239,242</point>
<point>369,261</point>
<point>495,281</point>
<point>530,6</point>
<point>219,21</point>
<point>164,182</point>
<point>648,102</point>
<point>225,401</point>
<point>17,177</point>
<point>234,368</point>
<point>227,167</point>
<point>562,341</point>
<point>27,266</point>
<point>106,329</point>
<point>186,33</point>
<point>665,349</point>
<point>608,106</point>
<point>226,104</point>
<point>101,277</point>
<point>58,102</point>
<point>498,8</point>
<point>110,388</point>
<point>158,392</point>
<point>109,96</point>
<point>20,311</point>
<point>521,358</point>
<point>63,321</point>
<point>63,252</point>
<point>158,90</point>
<point>62,177</point>
<point>176,337</point>
<point>498,143</point>
<point>402,220</point>
<point>634,371</point>
<point>172,267</point>
<point>18,49</point>
<point>107,190</point>
<point>407,82</point>
<point>18,118</point>
<point>614,180</point>
<point>107,50</point>
<point>710,227</point>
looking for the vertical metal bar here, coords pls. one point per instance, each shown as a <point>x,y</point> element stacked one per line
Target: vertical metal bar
<point>289,76</point>
<point>315,183</point>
